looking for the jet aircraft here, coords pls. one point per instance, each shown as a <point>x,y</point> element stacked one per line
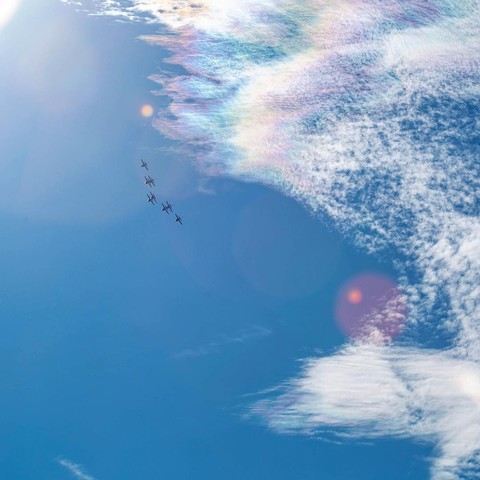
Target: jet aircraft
<point>144,164</point>
<point>151,198</point>
<point>149,181</point>
<point>178,219</point>
<point>167,207</point>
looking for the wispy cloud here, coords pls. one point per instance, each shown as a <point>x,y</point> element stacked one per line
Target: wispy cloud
<point>205,188</point>
<point>217,343</point>
<point>75,469</point>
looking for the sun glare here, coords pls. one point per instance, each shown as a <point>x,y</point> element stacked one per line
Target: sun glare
<point>7,10</point>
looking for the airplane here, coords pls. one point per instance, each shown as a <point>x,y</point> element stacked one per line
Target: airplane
<point>144,164</point>
<point>178,219</point>
<point>151,198</point>
<point>166,208</point>
<point>149,181</point>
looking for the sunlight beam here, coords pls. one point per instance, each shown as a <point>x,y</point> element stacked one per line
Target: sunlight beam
<point>7,10</point>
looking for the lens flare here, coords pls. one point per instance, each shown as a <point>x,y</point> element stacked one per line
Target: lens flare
<point>147,110</point>
<point>371,308</point>
<point>7,10</point>
<point>65,66</point>
<point>277,249</point>
<point>355,296</point>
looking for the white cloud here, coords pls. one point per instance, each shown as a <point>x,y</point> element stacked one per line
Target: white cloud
<point>371,391</point>
<point>75,469</point>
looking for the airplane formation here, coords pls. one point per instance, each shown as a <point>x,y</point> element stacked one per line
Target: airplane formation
<point>151,198</point>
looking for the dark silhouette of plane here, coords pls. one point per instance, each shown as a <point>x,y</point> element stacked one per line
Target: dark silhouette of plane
<point>167,207</point>
<point>149,181</point>
<point>144,164</point>
<point>151,198</point>
<point>178,219</point>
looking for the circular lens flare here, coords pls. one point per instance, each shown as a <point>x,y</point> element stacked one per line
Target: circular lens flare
<point>355,296</point>
<point>7,10</point>
<point>146,110</point>
<point>371,308</point>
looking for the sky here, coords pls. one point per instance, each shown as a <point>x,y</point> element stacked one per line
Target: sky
<point>316,315</point>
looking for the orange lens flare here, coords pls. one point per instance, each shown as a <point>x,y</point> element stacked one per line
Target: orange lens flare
<point>355,296</point>
<point>147,111</point>
<point>370,307</point>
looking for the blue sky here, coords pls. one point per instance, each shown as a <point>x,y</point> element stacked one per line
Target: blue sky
<point>134,347</point>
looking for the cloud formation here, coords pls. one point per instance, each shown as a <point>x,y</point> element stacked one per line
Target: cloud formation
<point>372,391</point>
<point>366,112</point>
<point>76,470</point>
